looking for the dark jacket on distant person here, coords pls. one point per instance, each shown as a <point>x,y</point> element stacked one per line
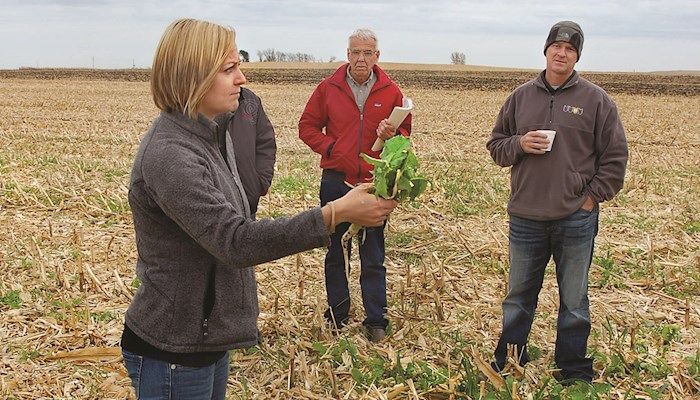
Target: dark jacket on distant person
<point>254,145</point>
<point>349,131</point>
<point>196,245</point>
<point>588,156</point>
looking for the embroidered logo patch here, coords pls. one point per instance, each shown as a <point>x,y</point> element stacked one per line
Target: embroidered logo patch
<point>248,110</point>
<point>377,104</point>
<point>563,36</point>
<point>573,110</point>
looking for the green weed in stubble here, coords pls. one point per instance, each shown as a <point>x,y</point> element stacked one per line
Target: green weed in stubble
<point>293,186</point>
<point>293,180</point>
<point>9,188</point>
<point>692,227</point>
<point>64,309</point>
<point>27,263</point>
<point>111,203</point>
<point>273,214</point>
<point>47,161</point>
<point>694,365</point>
<point>103,316</point>
<point>135,283</point>
<point>11,299</point>
<point>116,174</point>
<point>374,368</point>
<point>400,239</point>
<point>609,274</point>
<point>638,354</point>
<point>26,355</point>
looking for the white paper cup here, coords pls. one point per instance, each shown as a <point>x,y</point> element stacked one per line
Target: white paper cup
<point>550,137</point>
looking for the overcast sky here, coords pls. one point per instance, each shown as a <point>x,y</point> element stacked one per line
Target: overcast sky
<point>620,35</point>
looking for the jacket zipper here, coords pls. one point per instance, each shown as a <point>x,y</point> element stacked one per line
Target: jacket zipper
<point>209,300</point>
<point>359,147</point>
<point>551,108</point>
<point>359,144</point>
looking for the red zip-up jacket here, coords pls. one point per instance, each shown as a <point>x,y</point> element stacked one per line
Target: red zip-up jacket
<point>349,131</point>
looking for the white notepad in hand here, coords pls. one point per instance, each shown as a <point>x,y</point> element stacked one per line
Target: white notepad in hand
<point>396,118</point>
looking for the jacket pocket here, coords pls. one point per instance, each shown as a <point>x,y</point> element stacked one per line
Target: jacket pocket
<point>152,279</point>
<point>580,183</point>
<point>237,296</point>
<point>249,292</point>
<point>233,319</point>
<point>133,364</point>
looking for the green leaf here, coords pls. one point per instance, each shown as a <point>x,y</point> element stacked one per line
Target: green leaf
<point>136,283</point>
<point>319,348</point>
<point>397,160</point>
<point>357,375</point>
<point>419,186</point>
<point>602,388</point>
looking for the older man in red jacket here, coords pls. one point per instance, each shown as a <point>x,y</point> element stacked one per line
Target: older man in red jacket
<point>342,119</point>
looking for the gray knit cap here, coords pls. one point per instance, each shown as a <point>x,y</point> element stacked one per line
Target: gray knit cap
<point>566,31</point>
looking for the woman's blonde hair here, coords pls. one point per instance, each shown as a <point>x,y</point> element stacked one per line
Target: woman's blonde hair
<point>187,59</point>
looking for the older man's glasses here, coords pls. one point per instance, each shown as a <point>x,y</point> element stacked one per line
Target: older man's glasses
<point>365,53</point>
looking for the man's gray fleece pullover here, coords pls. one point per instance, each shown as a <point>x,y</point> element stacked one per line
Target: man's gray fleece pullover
<point>589,152</point>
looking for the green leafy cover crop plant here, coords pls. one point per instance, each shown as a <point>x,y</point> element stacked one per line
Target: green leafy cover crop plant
<point>395,177</point>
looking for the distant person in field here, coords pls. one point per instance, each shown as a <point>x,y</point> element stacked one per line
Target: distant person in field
<point>342,119</point>
<point>196,241</point>
<point>254,145</point>
<point>555,194</point>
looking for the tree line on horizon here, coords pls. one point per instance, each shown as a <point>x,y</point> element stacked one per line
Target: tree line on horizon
<point>272,55</point>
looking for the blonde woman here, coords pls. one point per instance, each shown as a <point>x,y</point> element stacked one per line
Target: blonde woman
<point>195,239</point>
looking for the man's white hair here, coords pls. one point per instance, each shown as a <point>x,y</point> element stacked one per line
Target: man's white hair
<point>364,34</point>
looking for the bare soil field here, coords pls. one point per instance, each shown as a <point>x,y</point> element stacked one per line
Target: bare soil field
<point>67,252</point>
<point>424,76</point>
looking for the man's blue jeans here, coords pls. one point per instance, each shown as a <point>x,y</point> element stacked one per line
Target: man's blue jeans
<point>372,274</point>
<point>570,241</point>
<point>161,380</point>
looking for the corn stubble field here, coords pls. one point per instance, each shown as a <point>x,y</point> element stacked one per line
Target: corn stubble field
<point>67,249</point>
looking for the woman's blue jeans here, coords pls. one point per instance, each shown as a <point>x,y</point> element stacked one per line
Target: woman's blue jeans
<point>372,273</point>
<point>570,241</point>
<point>161,380</point>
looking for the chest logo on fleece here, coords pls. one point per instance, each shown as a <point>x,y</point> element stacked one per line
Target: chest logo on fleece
<point>377,104</point>
<point>573,110</point>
